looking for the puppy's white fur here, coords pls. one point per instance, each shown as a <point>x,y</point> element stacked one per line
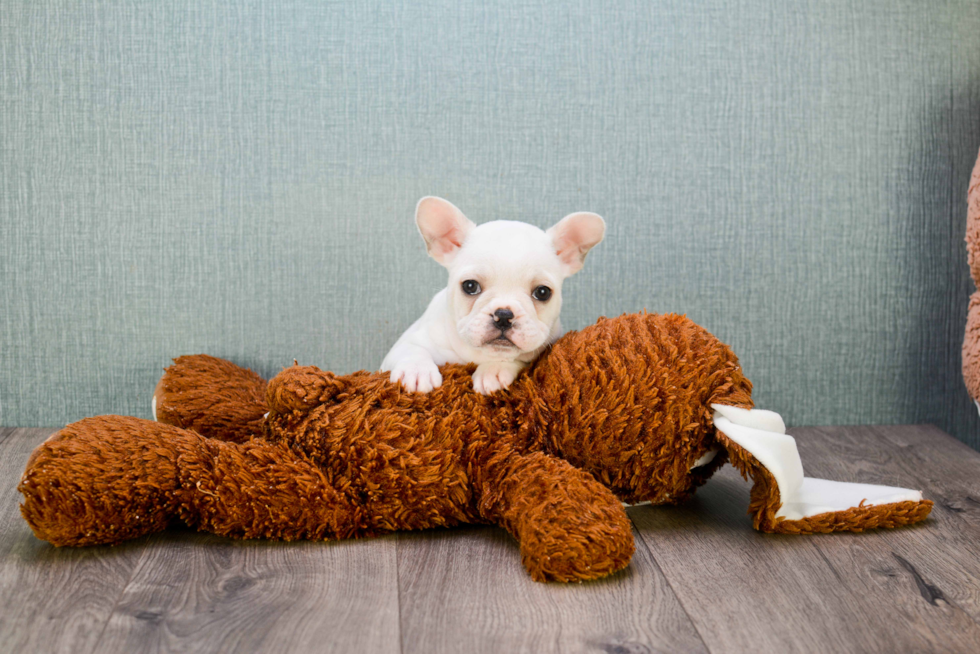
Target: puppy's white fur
<point>510,262</point>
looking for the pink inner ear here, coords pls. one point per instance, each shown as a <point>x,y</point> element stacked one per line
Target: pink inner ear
<point>444,243</point>
<point>443,227</point>
<point>574,237</point>
<point>569,244</point>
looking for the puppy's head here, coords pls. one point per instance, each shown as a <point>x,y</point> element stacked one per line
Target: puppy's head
<point>505,277</point>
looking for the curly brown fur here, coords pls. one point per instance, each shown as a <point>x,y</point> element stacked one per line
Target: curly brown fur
<point>617,411</point>
<point>112,478</point>
<point>213,397</point>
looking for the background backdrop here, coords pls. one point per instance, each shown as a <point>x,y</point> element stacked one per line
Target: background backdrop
<point>239,178</point>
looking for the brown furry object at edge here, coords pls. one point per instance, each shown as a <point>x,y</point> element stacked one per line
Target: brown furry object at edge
<point>971,338</point>
<point>619,411</point>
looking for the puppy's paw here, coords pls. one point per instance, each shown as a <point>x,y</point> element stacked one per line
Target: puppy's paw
<point>496,376</point>
<point>417,375</point>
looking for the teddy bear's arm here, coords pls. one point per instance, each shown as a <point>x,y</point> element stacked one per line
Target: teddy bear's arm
<point>785,501</point>
<point>302,388</point>
<point>570,527</point>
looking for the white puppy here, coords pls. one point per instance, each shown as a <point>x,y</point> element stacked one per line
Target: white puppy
<point>501,307</point>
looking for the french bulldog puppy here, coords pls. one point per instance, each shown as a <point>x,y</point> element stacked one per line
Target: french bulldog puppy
<point>500,309</point>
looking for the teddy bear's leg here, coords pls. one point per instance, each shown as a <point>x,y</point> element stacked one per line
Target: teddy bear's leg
<point>211,396</point>
<point>108,479</point>
<point>264,490</point>
<point>785,501</point>
<point>570,527</point>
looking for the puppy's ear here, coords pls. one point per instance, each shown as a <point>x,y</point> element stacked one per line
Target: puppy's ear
<point>574,236</point>
<point>443,226</point>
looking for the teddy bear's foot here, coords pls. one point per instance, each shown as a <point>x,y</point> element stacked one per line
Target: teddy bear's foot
<point>95,483</point>
<point>570,527</point>
<point>785,501</point>
<point>212,397</point>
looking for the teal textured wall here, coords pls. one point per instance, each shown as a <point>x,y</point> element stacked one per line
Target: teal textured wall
<point>238,178</point>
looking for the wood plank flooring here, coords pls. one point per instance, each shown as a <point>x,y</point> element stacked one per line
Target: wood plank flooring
<point>702,579</point>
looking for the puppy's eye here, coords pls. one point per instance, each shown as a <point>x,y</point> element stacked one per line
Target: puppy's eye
<point>541,294</point>
<point>471,287</point>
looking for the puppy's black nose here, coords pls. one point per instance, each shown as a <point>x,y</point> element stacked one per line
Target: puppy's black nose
<point>502,318</point>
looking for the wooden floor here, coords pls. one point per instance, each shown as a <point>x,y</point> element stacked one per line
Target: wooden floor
<point>702,579</point>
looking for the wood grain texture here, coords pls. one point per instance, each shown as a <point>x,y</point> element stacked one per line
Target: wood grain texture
<point>838,592</point>
<point>930,574</point>
<point>196,592</point>
<point>465,590</point>
<point>942,563</point>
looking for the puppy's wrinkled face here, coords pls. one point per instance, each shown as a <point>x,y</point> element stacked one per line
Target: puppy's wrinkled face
<point>505,277</point>
<point>505,290</point>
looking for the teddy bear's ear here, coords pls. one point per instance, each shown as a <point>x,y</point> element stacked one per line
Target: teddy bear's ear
<point>786,502</point>
<point>301,388</point>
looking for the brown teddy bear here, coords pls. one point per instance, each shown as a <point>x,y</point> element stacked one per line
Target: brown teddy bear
<point>971,342</point>
<point>632,409</point>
